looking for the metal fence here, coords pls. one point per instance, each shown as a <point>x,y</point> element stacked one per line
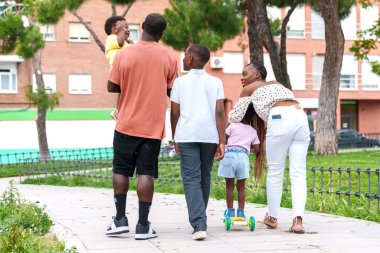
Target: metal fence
<point>356,187</point>
<point>375,136</point>
<point>351,139</point>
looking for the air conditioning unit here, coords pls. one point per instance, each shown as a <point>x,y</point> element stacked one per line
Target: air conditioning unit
<point>217,62</point>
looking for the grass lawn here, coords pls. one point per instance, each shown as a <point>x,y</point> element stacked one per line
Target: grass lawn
<point>56,114</point>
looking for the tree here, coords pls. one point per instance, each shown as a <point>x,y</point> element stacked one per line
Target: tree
<point>27,41</point>
<point>19,31</point>
<point>73,5</point>
<point>367,41</point>
<point>190,23</point>
<point>261,33</point>
<point>326,141</point>
<point>207,22</point>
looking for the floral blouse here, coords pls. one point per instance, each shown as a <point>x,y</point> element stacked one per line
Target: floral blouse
<point>262,99</point>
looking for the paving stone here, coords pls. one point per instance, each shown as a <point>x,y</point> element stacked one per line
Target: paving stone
<point>87,212</point>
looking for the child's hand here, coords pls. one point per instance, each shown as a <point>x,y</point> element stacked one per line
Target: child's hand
<point>219,154</point>
<point>120,26</point>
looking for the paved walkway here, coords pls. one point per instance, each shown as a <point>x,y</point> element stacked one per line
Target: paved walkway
<point>86,212</point>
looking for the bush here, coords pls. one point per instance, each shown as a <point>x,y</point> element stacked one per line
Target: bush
<point>15,211</point>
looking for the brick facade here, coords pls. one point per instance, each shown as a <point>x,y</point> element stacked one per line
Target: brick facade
<point>62,58</point>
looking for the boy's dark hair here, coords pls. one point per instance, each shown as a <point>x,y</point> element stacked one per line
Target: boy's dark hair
<point>260,68</point>
<point>111,22</point>
<point>249,113</point>
<point>154,24</point>
<point>201,52</point>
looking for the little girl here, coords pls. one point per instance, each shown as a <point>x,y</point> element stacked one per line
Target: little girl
<point>240,137</point>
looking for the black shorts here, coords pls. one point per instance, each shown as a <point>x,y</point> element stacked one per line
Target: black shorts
<point>130,152</point>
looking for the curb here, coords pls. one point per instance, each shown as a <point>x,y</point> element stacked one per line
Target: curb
<point>67,236</point>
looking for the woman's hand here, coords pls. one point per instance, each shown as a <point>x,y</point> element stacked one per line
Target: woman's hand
<point>248,89</point>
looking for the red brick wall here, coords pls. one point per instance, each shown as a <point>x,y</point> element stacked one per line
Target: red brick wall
<point>369,116</point>
<point>63,58</point>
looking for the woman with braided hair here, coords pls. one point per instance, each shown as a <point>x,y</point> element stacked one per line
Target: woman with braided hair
<point>283,130</point>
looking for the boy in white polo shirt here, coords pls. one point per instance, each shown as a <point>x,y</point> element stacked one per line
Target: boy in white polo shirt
<point>198,126</point>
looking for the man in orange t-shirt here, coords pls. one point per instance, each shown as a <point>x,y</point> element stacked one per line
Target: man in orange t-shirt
<point>143,74</point>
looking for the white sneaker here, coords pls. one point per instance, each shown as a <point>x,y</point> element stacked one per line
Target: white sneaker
<point>199,235</point>
<point>118,227</point>
<point>144,233</point>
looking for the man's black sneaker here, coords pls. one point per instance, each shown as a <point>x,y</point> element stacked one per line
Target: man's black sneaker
<point>144,232</point>
<point>118,227</point>
<point>200,232</point>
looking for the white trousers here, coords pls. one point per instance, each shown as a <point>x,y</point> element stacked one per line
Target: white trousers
<point>287,133</point>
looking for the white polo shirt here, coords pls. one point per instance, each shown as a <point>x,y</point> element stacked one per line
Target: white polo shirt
<point>197,93</point>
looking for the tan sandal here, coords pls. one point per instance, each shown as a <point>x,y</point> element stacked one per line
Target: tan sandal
<point>270,222</point>
<point>297,226</point>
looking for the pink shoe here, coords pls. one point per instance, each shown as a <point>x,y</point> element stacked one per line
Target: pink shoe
<point>270,221</point>
<point>297,226</point>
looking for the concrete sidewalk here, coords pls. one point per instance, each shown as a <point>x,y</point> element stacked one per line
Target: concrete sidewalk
<point>87,212</point>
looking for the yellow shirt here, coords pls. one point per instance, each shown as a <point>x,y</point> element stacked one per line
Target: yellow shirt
<point>112,47</point>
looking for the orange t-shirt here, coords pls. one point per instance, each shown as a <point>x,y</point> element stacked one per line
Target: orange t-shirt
<point>144,71</point>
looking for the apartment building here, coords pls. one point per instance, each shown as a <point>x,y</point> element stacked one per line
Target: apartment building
<point>73,64</point>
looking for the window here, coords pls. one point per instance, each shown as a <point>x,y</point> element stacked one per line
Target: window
<point>268,66</point>
<point>80,84</point>
<point>297,70</point>
<point>78,33</point>
<point>48,32</point>
<point>370,81</point>
<point>349,25</point>
<point>349,73</point>
<point>368,17</point>
<point>347,81</point>
<point>274,12</point>
<point>296,25</point>
<point>134,32</point>
<point>317,26</point>
<point>49,80</point>
<point>233,62</point>
<point>8,78</point>
<point>317,71</point>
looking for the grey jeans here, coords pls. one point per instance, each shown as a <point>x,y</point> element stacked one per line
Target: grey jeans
<point>196,164</point>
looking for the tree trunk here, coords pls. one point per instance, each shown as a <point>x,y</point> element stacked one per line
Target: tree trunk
<point>325,138</point>
<point>92,32</point>
<point>127,9</point>
<point>279,68</point>
<point>255,34</point>
<point>41,112</point>
<point>282,54</point>
<point>113,7</point>
<point>259,34</point>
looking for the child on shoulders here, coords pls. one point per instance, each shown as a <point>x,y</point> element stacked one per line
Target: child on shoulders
<point>117,29</point>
